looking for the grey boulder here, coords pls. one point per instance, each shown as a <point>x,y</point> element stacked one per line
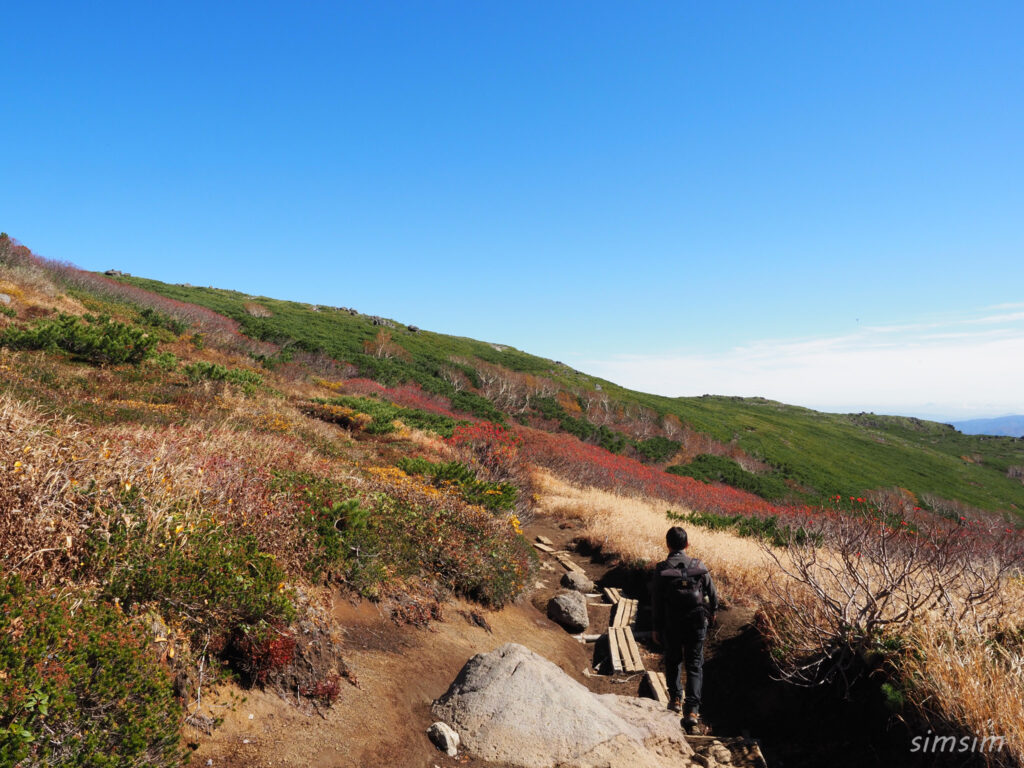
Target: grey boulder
<point>577,582</point>
<point>512,706</point>
<point>570,610</point>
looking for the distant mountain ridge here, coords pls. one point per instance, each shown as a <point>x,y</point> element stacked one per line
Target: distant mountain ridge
<point>1006,426</point>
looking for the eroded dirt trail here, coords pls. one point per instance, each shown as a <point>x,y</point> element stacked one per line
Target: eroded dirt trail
<point>399,671</point>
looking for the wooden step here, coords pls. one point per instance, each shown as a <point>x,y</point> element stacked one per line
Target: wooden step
<point>624,612</point>
<point>621,641</point>
<point>543,547</point>
<point>613,649</point>
<point>567,562</point>
<point>612,594</point>
<point>657,686</point>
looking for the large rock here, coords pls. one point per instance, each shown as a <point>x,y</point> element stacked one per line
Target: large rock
<point>577,582</point>
<point>570,610</point>
<point>513,706</point>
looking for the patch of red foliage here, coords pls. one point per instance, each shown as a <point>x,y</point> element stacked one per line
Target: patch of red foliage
<point>593,465</point>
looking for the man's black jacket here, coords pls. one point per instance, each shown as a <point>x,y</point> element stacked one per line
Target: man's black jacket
<point>660,601</point>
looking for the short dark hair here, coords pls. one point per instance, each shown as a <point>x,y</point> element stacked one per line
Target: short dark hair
<point>676,538</point>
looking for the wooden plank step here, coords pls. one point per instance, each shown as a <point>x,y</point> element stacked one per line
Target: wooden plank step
<point>543,547</point>
<point>625,612</point>
<point>612,594</point>
<point>624,641</point>
<point>546,541</point>
<point>634,650</point>
<point>567,562</point>
<point>613,648</point>
<point>619,613</point>
<point>657,686</point>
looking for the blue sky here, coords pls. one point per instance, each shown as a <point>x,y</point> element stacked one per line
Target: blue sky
<point>685,197</point>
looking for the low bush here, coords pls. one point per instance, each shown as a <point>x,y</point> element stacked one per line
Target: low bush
<point>384,415</point>
<point>77,687</point>
<point>165,361</point>
<point>156,319</point>
<point>211,579</point>
<point>257,652</point>
<point>495,497</point>
<point>764,528</point>
<point>477,405</point>
<point>201,370</point>
<point>657,449</point>
<point>709,468</point>
<point>93,339</point>
<point>399,533</point>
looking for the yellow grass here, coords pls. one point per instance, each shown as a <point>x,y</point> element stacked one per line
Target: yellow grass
<point>967,683</point>
<point>972,683</point>
<point>634,528</point>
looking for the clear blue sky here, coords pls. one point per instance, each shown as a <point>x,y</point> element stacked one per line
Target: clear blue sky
<point>608,184</point>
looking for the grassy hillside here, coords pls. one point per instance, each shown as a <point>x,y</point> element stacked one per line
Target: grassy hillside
<point>817,454</point>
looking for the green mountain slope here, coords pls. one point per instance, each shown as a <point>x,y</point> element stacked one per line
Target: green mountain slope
<point>818,454</point>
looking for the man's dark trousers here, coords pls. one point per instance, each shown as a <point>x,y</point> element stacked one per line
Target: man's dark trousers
<point>684,642</point>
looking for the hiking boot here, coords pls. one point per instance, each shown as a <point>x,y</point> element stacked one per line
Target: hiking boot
<point>691,719</point>
<point>676,704</point>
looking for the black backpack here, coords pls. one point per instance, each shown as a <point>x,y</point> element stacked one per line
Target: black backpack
<point>682,587</point>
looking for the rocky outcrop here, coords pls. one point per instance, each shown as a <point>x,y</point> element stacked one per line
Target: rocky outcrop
<point>515,707</point>
<point>570,610</point>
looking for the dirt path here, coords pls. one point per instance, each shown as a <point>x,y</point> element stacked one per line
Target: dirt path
<point>400,671</point>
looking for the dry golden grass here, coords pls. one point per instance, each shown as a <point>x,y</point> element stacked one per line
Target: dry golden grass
<point>969,684</point>
<point>61,481</point>
<point>634,528</point>
<point>968,681</point>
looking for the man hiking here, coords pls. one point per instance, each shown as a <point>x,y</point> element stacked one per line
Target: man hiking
<point>683,600</point>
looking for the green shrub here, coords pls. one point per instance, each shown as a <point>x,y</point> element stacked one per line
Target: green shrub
<point>151,317</point>
<point>166,361</point>
<point>92,339</point>
<point>609,439</point>
<point>370,541</point>
<point>77,688</point>
<point>657,449</point>
<point>477,405</point>
<point>766,528</point>
<point>496,497</point>
<point>211,579</point>
<point>215,372</point>
<point>384,415</point>
<point>8,311</point>
<point>721,469</point>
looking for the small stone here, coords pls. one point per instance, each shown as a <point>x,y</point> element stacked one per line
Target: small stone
<point>444,737</point>
<point>721,753</point>
<point>706,761</point>
<point>4,298</point>
<point>578,582</point>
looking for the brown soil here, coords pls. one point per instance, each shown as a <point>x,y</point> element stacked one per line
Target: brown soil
<point>380,719</point>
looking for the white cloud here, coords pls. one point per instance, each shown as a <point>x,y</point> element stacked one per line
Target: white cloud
<point>948,369</point>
